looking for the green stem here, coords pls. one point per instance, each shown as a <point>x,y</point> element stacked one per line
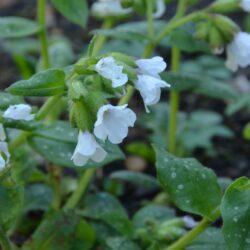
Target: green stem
<point>47,107</point>
<point>188,238</point>
<point>108,23</point>
<point>175,23</point>
<point>41,18</point>
<point>4,241</point>
<point>150,18</point>
<point>80,190</point>
<point>174,104</point>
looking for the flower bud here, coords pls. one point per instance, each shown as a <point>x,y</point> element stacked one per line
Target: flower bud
<point>215,39</point>
<point>80,116</point>
<point>202,31</point>
<point>127,3</point>
<point>83,66</point>
<point>223,6</point>
<point>226,26</point>
<point>76,90</point>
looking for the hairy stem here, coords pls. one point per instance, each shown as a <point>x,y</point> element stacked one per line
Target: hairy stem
<point>191,235</point>
<point>174,104</point>
<point>80,190</point>
<point>41,18</point>
<point>108,23</point>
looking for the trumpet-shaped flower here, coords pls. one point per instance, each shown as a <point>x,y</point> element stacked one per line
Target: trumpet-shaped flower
<point>238,51</point>
<point>113,122</point>
<point>149,82</point>
<point>245,5</point>
<point>2,133</point>
<point>150,88</point>
<point>19,112</point>
<point>109,69</point>
<point>106,8</point>
<point>152,66</point>
<point>87,148</point>
<point>4,155</point>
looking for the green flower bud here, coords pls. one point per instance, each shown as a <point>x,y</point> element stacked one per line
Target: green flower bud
<point>226,26</point>
<point>81,117</point>
<point>127,3</point>
<point>202,31</point>
<point>84,66</point>
<point>224,6</point>
<point>215,38</point>
<point>76,90</point>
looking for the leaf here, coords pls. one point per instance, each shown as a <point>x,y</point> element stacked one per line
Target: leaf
<point>204,242</point>
<point>183,39</point>
<point>57,142</point>
<point>191,186</point>
<point>37,197</point>
<point>136,179</point>
<point>46,83</point>
<point>7,99</point>
<point>132,31</point>
<point>106,208</point>
<point>246,132</point>
<point>63,231</point>
<point>121,243</point>
<point>11,198</point>
<point>74,10</point>
<point>235,210</point>
<point>238,104</point>
<point>153,212</point>
<point>15,27</point>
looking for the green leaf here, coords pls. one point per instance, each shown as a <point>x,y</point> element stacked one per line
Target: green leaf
<point>191,186</point>
<point>235,210</point>
<point>7,99</point>
<point>11,198</point>
<point>238,104</point>
<point>121,243</point>
<point>63,231</point>
<point>106,208</point>
<point>204,242</point>
<point>136,179</point>
<point>46,83</point>
<point>57,142</point>
<point>184,40</point>
<point>15,27</point>
<point>74,10</point>
<point>152,212</point>
<point>37,197</point>
<point>132,31</point>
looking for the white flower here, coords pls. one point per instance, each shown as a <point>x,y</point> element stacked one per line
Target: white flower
<point>150,89</point>
<point>19,112</point>
<point>148,81</point>
<point>113,122</point>
<point>189,221</point>
<point>108,68</point>
<point>152,66</point>
<point>160,9</point>
<point>245,5</point>
<point>238,51</point>
<point>4,155</point>
<point>87,148</point>
<point>106,8</point>
<point>2,133</point>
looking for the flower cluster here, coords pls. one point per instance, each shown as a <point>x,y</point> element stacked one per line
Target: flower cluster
<point>112,122</point>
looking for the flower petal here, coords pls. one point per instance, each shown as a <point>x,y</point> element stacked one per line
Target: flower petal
<point>19,112</point>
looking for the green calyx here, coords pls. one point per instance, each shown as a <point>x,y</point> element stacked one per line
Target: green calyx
<point>224,6</point>
<point>85,66</point>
